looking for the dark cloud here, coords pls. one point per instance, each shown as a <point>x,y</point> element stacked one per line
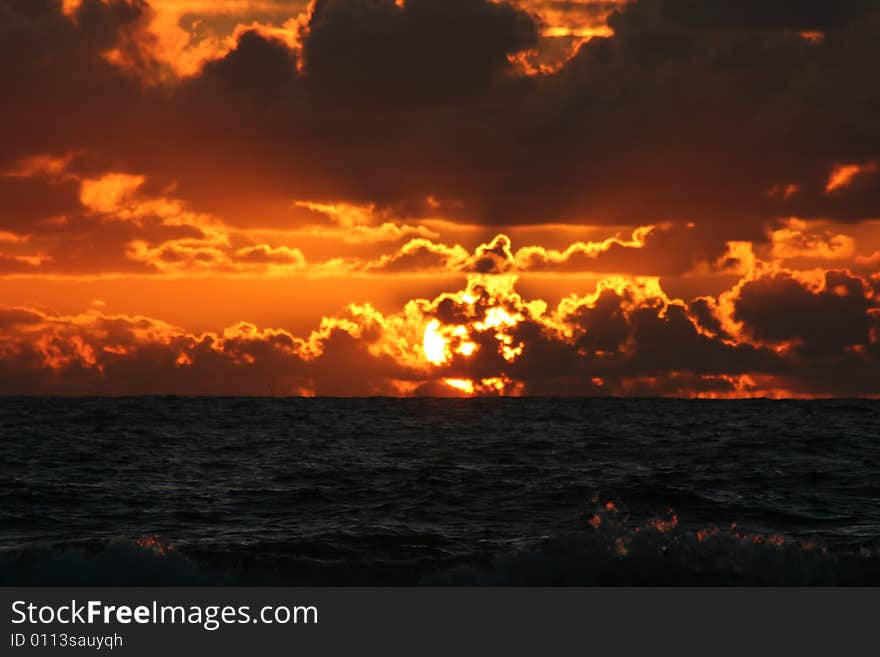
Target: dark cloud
<point>17,317</point>
<point>62,93</point>
<point>703,312</point>
<point>363,53</point>
<point>758,14</point>
<point>630,340</point>
<point>619,339</point>
<point>26,202</point>
<point>258,69</point>
<point>44,353</point>
<point>691,112</point>
<point>780,309</point>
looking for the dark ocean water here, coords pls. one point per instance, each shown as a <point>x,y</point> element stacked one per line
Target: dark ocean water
<point>481,491</point>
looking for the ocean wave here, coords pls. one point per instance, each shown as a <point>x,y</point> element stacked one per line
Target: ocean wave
<point>138,562</point>
<point>615,551</point>
<point>609,550</point>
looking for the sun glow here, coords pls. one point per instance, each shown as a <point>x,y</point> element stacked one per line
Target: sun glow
<point>495,385</point>
<point>441,342</point>
<point>434,343</point>
<point>477,323</point>
<point>465,385</point>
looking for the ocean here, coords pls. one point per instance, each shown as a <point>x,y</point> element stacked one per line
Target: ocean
<point>473,492</point>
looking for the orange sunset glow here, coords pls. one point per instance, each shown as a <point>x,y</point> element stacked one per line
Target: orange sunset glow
<point>458,198</point>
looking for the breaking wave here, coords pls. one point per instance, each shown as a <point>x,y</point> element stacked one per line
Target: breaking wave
<point>610,550</point>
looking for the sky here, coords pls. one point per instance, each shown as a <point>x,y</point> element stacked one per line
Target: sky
<point>448,198</point>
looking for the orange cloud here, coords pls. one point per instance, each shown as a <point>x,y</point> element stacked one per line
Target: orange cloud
<point>420,255</point>
<point>664,249</point>
<point>579,254</point>
<point>793,334</point>
<point>796,240</point>
<point>358,224</point>
<point>844,174</point>
<point>111,193</point>
<point>123,226</point>
<point>813,36</point>
<point>176,38</point>
<point>564,27</point>
<point>40,165</point>
<point>194,257</point>
<point>126,225</point>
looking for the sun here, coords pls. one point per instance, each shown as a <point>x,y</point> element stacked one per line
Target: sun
<point>434,344</point>
<point>487,313</point>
